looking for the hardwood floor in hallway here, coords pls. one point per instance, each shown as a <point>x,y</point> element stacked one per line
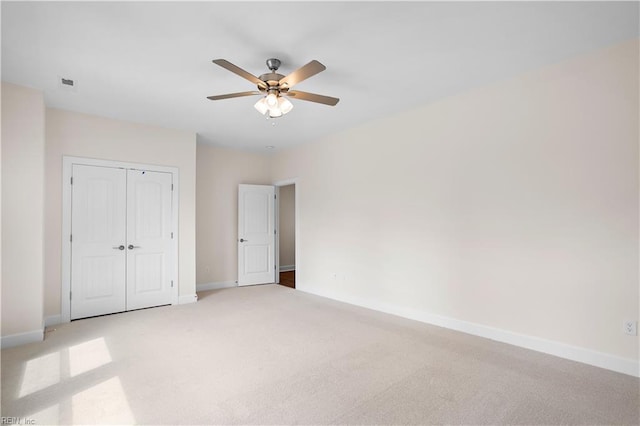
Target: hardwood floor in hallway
<point>288,279</point>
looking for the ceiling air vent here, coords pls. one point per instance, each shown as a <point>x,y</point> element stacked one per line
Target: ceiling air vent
<point>67,84</point>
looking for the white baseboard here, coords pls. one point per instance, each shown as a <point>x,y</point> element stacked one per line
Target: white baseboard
<point>562,350</point>
<point>215,285</point>
<point>53,320</point>
<point>287,268</point>
<point>188,298</point>
<point>22,338</point>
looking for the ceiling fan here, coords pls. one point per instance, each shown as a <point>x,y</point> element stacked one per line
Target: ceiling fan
<point>276,87</point>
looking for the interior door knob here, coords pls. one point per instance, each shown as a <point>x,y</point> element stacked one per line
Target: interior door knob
<point>242,240</point>
<point>131,247</point>
<point>119,248</point>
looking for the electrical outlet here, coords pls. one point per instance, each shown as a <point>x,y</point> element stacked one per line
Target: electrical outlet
<point>630,328</point>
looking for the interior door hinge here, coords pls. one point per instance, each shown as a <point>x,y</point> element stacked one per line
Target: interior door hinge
<point>71,180</point>
<point>70,238</point>
<point>172,235</point>
<point>70,295</point>
<point>172,187</point>
<point>275,196</point>
<point>172,283</point>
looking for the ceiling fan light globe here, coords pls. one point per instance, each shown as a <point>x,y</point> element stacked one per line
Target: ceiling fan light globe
<point>261,106</point>
<point>271,100</point>
<point>284,105</point>
<point>275,112</point>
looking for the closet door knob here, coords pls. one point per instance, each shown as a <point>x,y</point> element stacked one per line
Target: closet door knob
<point>119,248</point>
<point>131,247</point>
<point>242,240</point>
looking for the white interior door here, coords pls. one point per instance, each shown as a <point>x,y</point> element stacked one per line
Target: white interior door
<point>98,238</point>
<point>148,239</point>
<point>256,234</point>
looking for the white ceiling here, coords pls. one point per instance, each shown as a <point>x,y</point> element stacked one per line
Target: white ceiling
<point>150,62</point>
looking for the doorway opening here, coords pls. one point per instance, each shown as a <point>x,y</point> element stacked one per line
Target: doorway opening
<point>286,216</point>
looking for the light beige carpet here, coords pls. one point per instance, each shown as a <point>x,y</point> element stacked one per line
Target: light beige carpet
<point>273,355</point>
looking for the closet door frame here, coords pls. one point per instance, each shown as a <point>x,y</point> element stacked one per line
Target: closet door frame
<point>67,170</point>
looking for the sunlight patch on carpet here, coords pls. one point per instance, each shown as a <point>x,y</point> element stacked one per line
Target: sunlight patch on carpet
<point>88,356</point>
<point>40,373</point>
<point>104,403</point>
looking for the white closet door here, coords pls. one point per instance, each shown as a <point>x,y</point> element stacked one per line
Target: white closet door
<point>256,236</point>
<point>98,259</point>
<point>148,239</point>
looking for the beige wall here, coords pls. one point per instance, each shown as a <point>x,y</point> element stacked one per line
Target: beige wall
<point>219,172</point>
<point>512,206</point>
<point>22,209</point>
<point>82,135</point>
<point>287,222</point>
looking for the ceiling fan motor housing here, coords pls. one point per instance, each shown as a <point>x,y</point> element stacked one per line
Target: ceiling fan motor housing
<point>272,78</point>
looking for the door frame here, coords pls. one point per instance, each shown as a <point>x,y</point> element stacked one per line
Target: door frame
<point>296,184</point>
<point>67,169</point>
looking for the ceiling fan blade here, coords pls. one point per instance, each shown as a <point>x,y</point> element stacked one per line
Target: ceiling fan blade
<point>312,97</point>
<point>233,95</point>
<point>239,71</point>
<point>302,73</point>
